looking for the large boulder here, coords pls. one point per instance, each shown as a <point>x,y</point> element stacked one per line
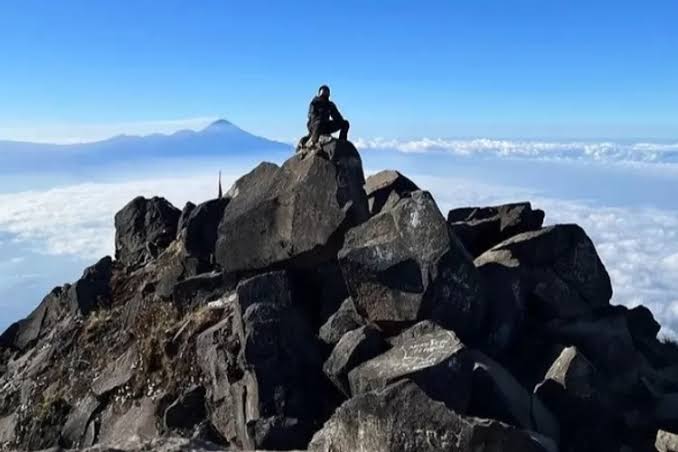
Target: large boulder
<point>559,269</point>
<point>405,265</point>
<point>200,229</point>
<point>436,361</point>
<point>385,188</point>
<point>480,228</point>
<point>262,368</point>
<point>93,290</point>
<point>143,229</point>
<point>183,218</point>
<point>354,348</point>
<point>345,319</point>
<point>401,417</point>
<point>26,332</point>
<point>666,441</point>
<point>498,395</point>
<point>295,214</point>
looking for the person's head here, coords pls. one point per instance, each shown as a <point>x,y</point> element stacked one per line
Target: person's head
<point>324,92</point>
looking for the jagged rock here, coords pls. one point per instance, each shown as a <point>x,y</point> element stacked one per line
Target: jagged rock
<point>497,395</point>
<point>436,361</point>
<point>401,417</point>
<point>143,229</point>
<point>183,218</point>
<point>385,188</point>
<point>262,366</point>
<point>480,228</point>
<point>354,348</point>
<point>76,424</point>
<point>404,265</point>
<point>666,441</point>
<point>341,322</point>
<point>296,214</point>
<point>135,425</point>
<point>201,289</point>
<point>118,373</point>
<point>93,290</point>
<point>571,376</point>
<point>415,332</point>
<point>200,232</point>
<point>187,411</point>
<point>8,426</point>
<point>559,268</point>
<point>24,333</point>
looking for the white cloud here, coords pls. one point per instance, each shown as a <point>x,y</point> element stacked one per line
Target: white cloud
<point>641,152</point>
<point>67,133</point>
<point>639,246</point>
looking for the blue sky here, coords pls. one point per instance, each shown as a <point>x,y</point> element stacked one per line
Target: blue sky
<point>402,69</point>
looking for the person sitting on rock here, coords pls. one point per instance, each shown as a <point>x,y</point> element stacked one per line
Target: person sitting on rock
<point>324,118</point>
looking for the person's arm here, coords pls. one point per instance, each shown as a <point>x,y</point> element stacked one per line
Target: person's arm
<point>334,111</point>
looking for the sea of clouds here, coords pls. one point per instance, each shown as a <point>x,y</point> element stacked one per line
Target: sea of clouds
<point>47,236</point>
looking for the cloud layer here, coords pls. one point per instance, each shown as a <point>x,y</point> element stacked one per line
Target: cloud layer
<point>639,246</point>
<point>607,151</point>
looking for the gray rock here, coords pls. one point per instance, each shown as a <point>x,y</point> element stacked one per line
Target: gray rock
<point>201,289</point>
<point>143,229</point>
<point>23,334</point>
<point>497,395</point>
<point>93,289</point>
<point>8,427</point>
<point>341,322</point>
<point>76,424</point>
<point>118,373</point>
<point>200,230</point>
<point>437,362</point>
<point>404,265</point>
<point>666,441</point>
<point>401,417</point>
<point>480,228</point>
<point>296,214</point>
<point>415,332</point>
<point>385,188</point>
<point>354,348</point>
<point>136,424</point>
<point>183,218</point>
<point>186,411</point>
<point>559,268</point>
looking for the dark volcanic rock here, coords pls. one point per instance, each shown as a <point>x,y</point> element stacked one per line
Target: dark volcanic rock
<point>385,188</point>
<point>183,218</point>
<point>404,265</point>
<point>24,333</point>
<point>401,417</point>
<point>436,361</point>
<point>263,367</point>
<point>187,411</point>
<point>76,425</point>
<point>354,348</point>
<point>201,289</point>
<point>559,268</point>
<point>93,290</point>
<point>118,373</point>
<point>200,230</point>
<point>496,394</point>
<point>143,229</point>
<point>345,319</point>
<point>296,214</point>
<point>480,228</point>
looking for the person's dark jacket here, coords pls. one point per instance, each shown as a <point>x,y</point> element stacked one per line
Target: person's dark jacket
<point>321,110</point>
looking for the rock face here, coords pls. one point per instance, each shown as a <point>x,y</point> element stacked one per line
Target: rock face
<point>401,417</point>
<point>385,188</point>
<point>405,265</point>
<point>296,213</point>
<point>290,316</point>
<point>480,228</point>
<point>143,229</point>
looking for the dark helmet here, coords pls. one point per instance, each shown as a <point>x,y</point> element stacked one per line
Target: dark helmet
<point>323,88</point>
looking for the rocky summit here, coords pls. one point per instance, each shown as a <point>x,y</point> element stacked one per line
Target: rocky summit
<point>313,309</point>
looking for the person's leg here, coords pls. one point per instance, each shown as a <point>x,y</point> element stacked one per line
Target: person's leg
<point>343,135</point>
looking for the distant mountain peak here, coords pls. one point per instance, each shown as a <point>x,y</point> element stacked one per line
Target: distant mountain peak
<point>220,124</point>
